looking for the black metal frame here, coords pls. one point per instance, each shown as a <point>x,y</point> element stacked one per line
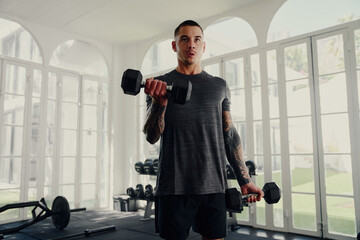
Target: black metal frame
<point>45,212</point>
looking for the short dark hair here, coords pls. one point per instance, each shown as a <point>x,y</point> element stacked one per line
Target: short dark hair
<point>187,23</point>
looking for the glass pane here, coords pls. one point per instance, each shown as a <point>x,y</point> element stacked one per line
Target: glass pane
<point>8,197</point>
<point>272,66</point>
<point>48,171</point>
<point>257,106</point>
<point>304,211</point>
<point>90,117</point>
<point>52,85</point>
<point>88,170</point>
<point>241,129</point>
<point>68,143</point>
<point>70,88</point>
<point>10,173</point>
<point>276,170</point>
<point>159,57</point>
<point>32,171</point>
<point>338,174</point>
<point>296,64</point>
<point>278,214</point>
<point>35,141</point>
<point>260,212</point>
<point>67,170</point>
<point>17,42</point>
<point>273,100</point>
<point>15,79</point>
<point>14,109</point>
<point>91,90</point>
<point>89,145</point>
<point>69,115</point>
<point>69,193</point>
<point>341,215</point>
<point>302,173</point>
<point>228,35</point>
<point>300,135</point>
<point>358,82</point>
<point>335,132</point>
<point>330,86</point>
<point>10,136</point>
<point>298,98</point>
<point>51,105</point>
<point>50,141</point>
<point>37,79</point>
<point>213,69</point>
<point>80,57</point>
<point>255,70</point>
<point>35,111</point>
<point>298,17</point>
<point>238,105</point>
<point>235,73</point>
<point>258,138</point>
<point>330,53</point>
<point>88,192</point>
<point>275,137</point>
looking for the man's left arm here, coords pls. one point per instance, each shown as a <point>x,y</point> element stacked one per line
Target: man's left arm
<point>235,156</point>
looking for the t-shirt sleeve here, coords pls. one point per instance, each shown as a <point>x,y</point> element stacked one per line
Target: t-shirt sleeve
<point>227,100</point>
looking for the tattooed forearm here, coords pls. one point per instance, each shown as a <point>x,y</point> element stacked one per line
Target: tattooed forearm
<point>155,123</point>
<point>234,150</point>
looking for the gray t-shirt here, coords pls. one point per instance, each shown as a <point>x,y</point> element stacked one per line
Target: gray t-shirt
<point>192,152</point>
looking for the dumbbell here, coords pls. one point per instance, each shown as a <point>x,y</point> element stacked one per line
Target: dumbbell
<point>155,166</point>
<point>148,166</point>
<point>139,191</point>
<point>139,167</point>
<point>229,172</point>
<point>180,90</point>
<point>131,192</point>
<point>149,193</point>
<point>235,200</point>
<point>251,167</point>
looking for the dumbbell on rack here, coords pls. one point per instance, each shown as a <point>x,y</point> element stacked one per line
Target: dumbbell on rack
<point>180,91</point>
<point>235,200</point>
<point>147,167</point>
<point>250,166</point>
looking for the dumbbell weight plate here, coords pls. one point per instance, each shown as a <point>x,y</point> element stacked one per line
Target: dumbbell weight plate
<point>61,212</point>
<point>272,192</point>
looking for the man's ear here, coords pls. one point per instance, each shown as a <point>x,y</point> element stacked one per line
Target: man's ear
<point>173,44</point>
<point>204,47</point>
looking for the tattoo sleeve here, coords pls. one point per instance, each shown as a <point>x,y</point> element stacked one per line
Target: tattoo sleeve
<point>154,123</point>
<point>234,151</point>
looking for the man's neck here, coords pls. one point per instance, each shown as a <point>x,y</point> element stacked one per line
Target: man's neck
<point>189,70</point>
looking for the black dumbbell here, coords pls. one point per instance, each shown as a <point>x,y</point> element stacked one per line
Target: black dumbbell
<point>131,192</point>
<point>139,167</point>
<point>139,191</point>
<point>229,172</point>
<point>149,193</point>
<point>148,166</point>
<point>155,166</point>
<point>131,83</point>
<point>251,167</point>
<point>235,200</point>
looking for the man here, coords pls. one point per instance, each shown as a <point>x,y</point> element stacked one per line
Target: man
<point>195,138</point>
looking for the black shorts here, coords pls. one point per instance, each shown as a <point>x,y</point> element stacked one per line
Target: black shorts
<point>175,214</point>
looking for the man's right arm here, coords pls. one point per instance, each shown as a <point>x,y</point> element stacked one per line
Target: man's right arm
<point>155,117</point>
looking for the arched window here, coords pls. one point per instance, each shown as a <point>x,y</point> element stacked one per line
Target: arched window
<point>160,56</point>
<point>297,17</point>
<point>228,35</point>
<point>17,42</point>
<point>80,57</point>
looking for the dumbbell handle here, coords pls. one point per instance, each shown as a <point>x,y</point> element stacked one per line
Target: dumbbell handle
<point>168,87</point>
<point>245,197</point>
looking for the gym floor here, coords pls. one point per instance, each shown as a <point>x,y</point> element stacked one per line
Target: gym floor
<point>128,226</point>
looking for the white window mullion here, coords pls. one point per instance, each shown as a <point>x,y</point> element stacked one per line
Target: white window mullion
<point>269,219</point>
<point>284,136</point>
<point>78,185</point>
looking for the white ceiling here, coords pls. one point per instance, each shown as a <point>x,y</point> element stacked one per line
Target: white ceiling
<point>117,21</point>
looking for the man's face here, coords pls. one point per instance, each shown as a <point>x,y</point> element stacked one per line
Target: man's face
<point>189,45</point>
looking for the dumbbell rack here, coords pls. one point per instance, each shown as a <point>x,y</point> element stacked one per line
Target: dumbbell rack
<point>149,211</point>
